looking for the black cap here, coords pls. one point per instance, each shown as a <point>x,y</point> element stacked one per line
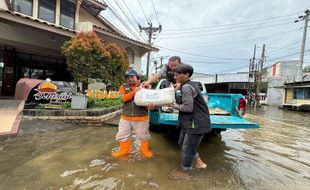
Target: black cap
<point>131,72</point>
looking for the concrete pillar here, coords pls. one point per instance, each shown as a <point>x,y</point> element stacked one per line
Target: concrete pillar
<point>3,5</point>
<point>35,9</point>
<point>77,12</point>
<point>57,20</point>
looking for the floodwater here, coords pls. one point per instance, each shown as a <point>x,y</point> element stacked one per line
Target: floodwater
<point>54,155</point>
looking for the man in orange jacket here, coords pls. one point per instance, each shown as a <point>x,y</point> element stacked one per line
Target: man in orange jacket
<point>133,118</point>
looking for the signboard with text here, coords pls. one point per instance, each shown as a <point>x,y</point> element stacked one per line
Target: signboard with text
<point>48,90</point>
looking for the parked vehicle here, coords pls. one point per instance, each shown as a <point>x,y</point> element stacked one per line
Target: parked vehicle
<point>226,111</point>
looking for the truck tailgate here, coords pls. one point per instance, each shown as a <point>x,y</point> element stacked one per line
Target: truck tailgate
<point>231,122</point>
<point>217,121</point>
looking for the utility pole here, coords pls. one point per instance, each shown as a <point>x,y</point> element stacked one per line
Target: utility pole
<point>259,78</point>
<point>303,43</point>
<point>252,74</point>
<point>161,61</point>
<point>155,63</point>
<point>254,54</point>
<point>150,30</point>
<point>262,58</point>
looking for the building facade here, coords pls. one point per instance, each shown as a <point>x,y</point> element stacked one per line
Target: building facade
<point>33,31</point>
<point>277,75</point>
<point>297,95</point>
<point>225,83</point>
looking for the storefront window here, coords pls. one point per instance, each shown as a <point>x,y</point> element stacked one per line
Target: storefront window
<point>49,73</point>
<point>23,6</point>
<point>40,67</point>
<point>37,74</point>
<point>23,61</point>
<point>307,93</point>
<point>299,93</point>
<point>25,72</point>
<point>1,69</point>
<point>67,13</point>
<point>47,10</point>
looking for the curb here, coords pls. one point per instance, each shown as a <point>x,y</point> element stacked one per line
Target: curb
<point>85,117</point>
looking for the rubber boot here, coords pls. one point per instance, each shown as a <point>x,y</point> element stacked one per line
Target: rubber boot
<point>145,149</point>
<point>124,148</point>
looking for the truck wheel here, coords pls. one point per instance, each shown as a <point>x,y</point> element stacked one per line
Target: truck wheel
<point>214,136</point>
<point>217,136</point>
<point>154,127</point>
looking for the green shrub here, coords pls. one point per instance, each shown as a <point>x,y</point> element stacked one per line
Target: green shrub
<point>96,103</point>
<point>41,106</point>
<point>66,105</point>
<point>91,102</point>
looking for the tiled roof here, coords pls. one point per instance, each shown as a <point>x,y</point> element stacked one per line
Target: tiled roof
<point>123,36</point>
<point>101,2</point>
<point>94,6</point>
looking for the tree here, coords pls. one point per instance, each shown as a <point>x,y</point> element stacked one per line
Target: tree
<point>118,64</point>
<point>307,68</point>
<point>87,58</point>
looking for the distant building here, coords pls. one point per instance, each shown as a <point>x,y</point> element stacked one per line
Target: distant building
<point>203,78</point>
<point>297,95</point>
<point>225,83</point>
<point>277,75</point>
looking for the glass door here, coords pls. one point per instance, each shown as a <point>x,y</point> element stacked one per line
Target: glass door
<point>8,84</point>
<point>1,70</point>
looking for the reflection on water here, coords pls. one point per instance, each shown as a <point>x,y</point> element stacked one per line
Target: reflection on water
<point>52,155</point>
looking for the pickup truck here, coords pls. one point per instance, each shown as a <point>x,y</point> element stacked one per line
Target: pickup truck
<point>226,111</point>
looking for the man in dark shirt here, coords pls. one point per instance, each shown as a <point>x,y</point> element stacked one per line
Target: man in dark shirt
<point>167,70</point>
<point>194,121</point>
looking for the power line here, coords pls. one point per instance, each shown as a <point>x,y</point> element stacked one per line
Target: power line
<point>211,62</point>
<point>286,50</point>
<point>270,18</point>
<point>143,11</point>
<point>130,12</point>
<point>150,31</point>
<point>229,69</point>
<point>288,46</point>
<point>202,62</point>
<point>155,12</point>
<point>239,41</point>
<point>118,5</point>
<point>219,28</point>
<point>157,18</point>
<point>134,18</point>
<point>121,19</point>
<point>288,55</point>
<point>226,32</point>
<point>199,55</point>
<point>238,64</point>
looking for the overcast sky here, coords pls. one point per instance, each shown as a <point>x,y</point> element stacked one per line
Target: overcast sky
<point>219,36</point>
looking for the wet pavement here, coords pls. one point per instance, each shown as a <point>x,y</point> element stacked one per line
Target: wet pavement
<point>54,155</point>
<point>10,115</point>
